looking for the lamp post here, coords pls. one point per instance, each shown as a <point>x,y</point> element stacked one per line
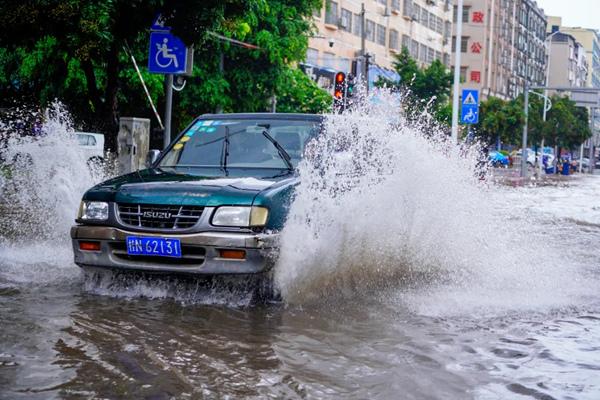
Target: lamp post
<point>549,37</point>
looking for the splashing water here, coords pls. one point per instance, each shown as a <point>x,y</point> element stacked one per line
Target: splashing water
<point>45,177</point>
<point>386,207</point>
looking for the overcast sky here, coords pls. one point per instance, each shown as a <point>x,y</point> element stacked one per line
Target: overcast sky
<point>583,13</point>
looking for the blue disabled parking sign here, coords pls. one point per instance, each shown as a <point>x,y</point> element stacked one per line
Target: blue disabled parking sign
<point>470,107</point>
<point>168,54</point>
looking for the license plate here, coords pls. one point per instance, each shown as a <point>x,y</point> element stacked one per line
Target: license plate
<point>153,246</point>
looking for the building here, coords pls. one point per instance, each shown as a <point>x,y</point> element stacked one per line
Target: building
<point>580,50</point>
<point>589,39</point>
<point>423,26</point>
<point>502,46</point>
<point>567,62</point>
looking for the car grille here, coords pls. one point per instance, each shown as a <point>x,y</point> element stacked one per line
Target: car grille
<point>158,216</point>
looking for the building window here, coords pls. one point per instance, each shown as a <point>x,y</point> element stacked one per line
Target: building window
<point>384,2</point>
<point>447,29</point>
<point>381,34</point>
<point>407,10</point>
<point>466,12</point>
<point>346,20</point>
<point>406,42</point>
<point>430,55</point>
<point>438,55</point>
<point>357,26</point>
<point>331,13</point>
<point>414,49</point>
<point>416,13</point>
<point>370,30</point>
<point>463,74</point>
<point>446,57</point>
<point>393,39</point>
<point>395,4</point>
<point>464,43</point>
<point>312,56</point>
<point>423,53</point>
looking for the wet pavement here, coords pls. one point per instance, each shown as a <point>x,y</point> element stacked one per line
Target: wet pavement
<point>64,337</point>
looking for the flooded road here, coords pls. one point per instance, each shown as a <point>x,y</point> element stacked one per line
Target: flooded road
<point>63,338</point>
<point>444,288</point>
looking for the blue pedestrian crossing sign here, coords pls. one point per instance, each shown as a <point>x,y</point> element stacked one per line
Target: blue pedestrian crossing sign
<point>470,107</point>
<point>168,54</point>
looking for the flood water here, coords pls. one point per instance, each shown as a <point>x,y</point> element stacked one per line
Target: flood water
<point>478,291</point>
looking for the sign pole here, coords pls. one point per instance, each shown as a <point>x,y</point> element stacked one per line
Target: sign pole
<point>168,107</point>
<point>457,51</point>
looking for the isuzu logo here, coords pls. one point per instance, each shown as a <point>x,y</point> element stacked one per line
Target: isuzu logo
<point>157,214</point>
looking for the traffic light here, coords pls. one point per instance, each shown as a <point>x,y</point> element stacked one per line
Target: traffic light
<point>339,92</point>
<point>350,80</point>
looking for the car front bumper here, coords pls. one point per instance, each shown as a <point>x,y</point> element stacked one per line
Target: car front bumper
<point>200,252</point>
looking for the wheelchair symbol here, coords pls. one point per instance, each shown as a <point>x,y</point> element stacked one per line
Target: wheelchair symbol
<point>470,116</point>
<point>164,58</point>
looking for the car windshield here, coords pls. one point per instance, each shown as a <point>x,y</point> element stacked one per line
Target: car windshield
<point>233,143</point>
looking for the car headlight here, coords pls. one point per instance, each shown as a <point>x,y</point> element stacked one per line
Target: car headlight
<point>93,210</point>
<point>240,216</point>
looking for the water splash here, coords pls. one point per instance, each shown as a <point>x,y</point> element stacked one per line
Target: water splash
<point>386,206</point>
<point>44,175</point>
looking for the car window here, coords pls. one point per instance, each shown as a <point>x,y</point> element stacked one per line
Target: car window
<point>203,143</point>
<point>82,139</point>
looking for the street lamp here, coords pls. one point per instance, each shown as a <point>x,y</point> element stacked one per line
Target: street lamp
<point>546,95</point>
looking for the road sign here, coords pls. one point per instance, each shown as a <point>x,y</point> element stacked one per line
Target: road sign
<point>159,24</point>
<point>168,54</point>
<point>470,107</point>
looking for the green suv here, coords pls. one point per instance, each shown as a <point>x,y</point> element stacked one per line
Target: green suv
<point>212,203</point>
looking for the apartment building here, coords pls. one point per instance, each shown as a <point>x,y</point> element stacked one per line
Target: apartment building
<point>567,62</point>
<point>576,63</point>
<point>589,39</point>
<point>502,46</point>
<point>423,26</point>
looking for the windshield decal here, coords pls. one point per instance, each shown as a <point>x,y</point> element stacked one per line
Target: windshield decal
<point>207,122</point>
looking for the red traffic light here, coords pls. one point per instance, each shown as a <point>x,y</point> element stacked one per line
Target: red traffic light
<point>340,77</point>
<point>338,94</point>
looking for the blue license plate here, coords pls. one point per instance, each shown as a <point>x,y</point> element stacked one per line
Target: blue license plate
<point>153,246</point>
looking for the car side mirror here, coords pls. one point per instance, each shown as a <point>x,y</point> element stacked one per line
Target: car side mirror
<point>151,157</point>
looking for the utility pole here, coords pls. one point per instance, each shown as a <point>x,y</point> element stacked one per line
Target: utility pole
<point>168,104</point>
<point>457,53</point>
<point>525,127</point>
<point>363,50</point>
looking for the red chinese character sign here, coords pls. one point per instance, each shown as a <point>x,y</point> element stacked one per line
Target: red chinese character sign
<point>476,76</point>
<point>476,47</point>
<point>478,17</point>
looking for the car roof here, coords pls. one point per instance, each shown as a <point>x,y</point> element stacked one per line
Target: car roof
<point>280,116</point>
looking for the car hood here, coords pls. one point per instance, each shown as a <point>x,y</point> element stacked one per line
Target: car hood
<point>158,187</point>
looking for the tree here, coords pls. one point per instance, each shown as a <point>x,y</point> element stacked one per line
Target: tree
<point>499,119</point>
<point>423,87</point>
<point>78,51</point>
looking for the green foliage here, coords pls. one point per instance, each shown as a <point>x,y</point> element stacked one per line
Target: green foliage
<point>565,126</point>
<point>499,118</point>
<point>300,94</point>
<point>78,51</point>
<point>424,87</point>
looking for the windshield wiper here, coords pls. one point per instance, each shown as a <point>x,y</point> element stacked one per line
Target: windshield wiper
<point>282,153</point>
<point>225,151</point>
